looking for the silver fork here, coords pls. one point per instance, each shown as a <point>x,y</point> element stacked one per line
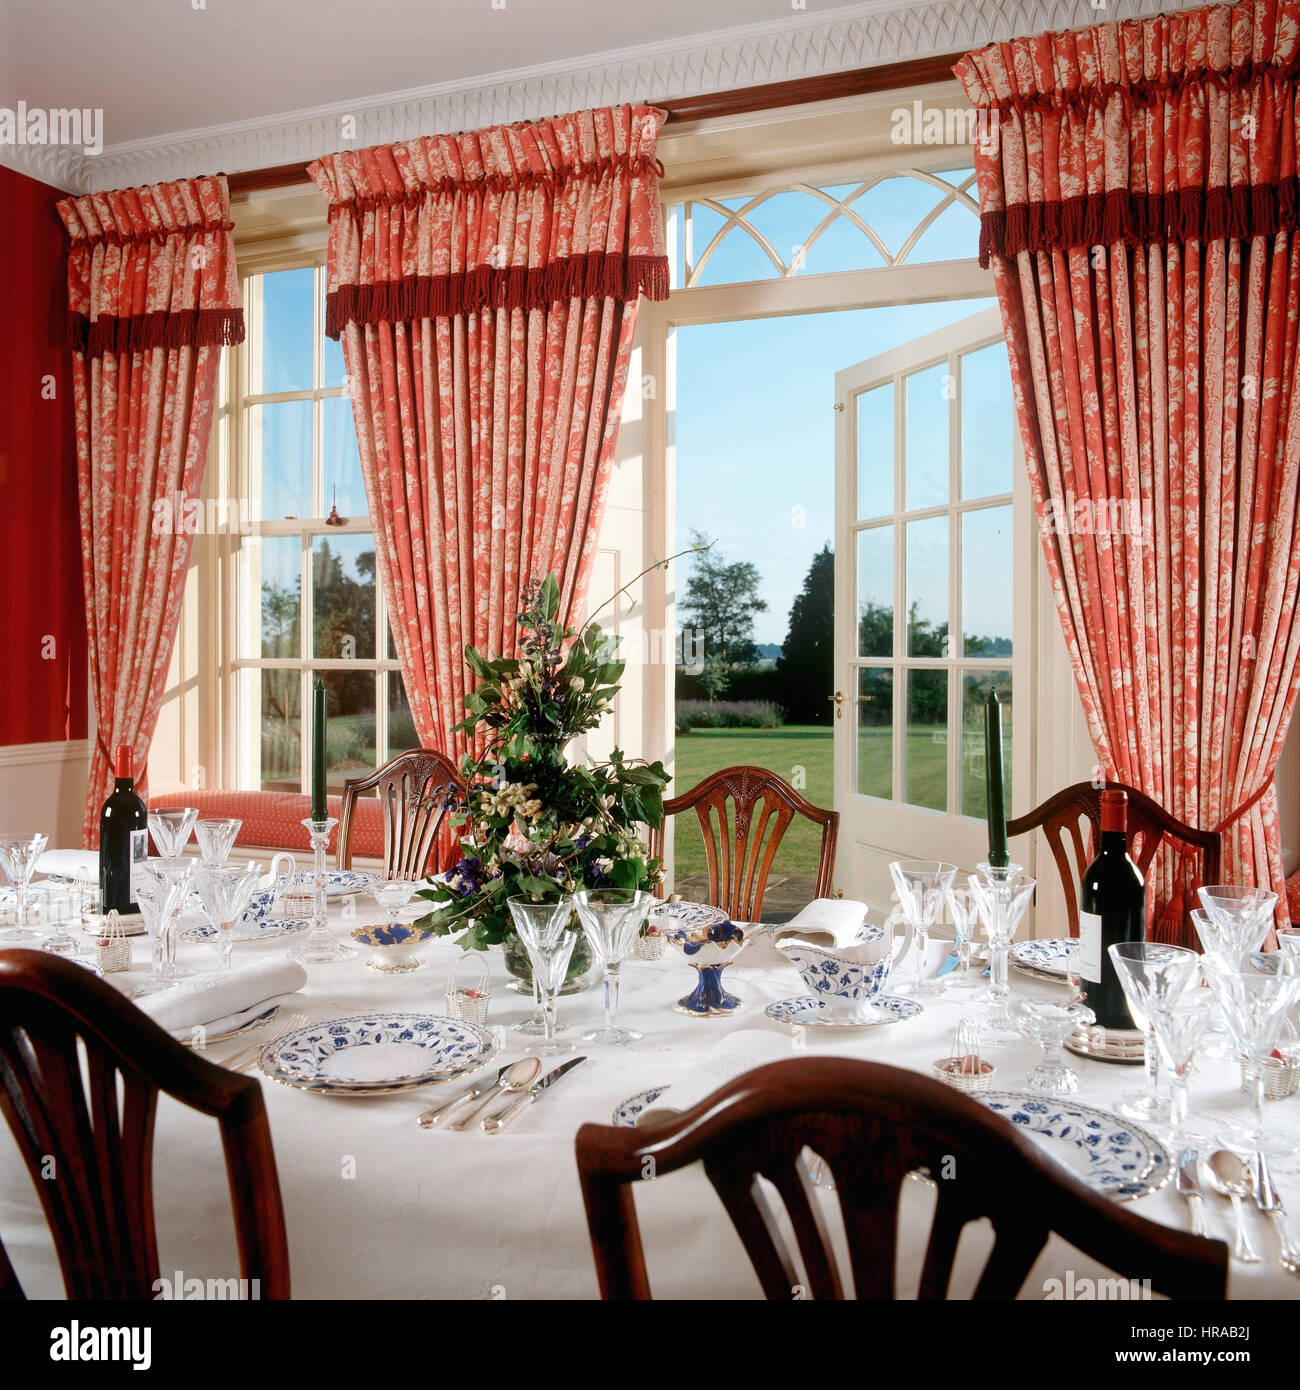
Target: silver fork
<point>245,1057</point>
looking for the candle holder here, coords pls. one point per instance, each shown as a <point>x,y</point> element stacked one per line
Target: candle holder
<point>320,947</point>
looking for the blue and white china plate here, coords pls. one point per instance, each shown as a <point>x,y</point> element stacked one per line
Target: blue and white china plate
<point>628,1112</point>
<point>1045,956</point>
<point>369,1054</point>
<point>1112,1156</point>
<point>687,916</point>
<point>809,1012</point>
<point>266,929</point>
<point>341,881</point>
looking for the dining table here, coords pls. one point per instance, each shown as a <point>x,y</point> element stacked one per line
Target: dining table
<point>377,1207</point>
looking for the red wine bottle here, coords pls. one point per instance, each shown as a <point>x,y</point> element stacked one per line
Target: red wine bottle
<point>123,838</point>
<point>1112,903</point>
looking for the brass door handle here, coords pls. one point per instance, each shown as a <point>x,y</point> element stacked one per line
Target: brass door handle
<point>838,701</point>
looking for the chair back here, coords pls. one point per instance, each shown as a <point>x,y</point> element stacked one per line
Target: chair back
<point>418,793</point>
<point>80,1072</point>
<point>872,1126</point>
<point>743,813</point>
<point>1071,822</point>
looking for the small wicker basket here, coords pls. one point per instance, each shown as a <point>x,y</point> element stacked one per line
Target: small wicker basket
<point>112,948</point>
<point>468,1004</point>
<point>964,1068</point>
<point>650,945</point>
<point>1281,1073</point>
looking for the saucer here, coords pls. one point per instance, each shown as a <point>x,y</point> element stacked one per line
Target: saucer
<point>808,1012</point>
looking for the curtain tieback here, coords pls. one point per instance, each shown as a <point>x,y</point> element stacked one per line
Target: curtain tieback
<point>1244,809</point>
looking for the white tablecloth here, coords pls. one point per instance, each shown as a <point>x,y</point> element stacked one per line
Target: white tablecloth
<point>378,1208</point>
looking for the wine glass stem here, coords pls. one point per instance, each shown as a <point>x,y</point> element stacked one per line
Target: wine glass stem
<point>1151,1056</point>
<point>227,943</point>
<point>20,905</point>
<point>611,996</point>
<point>922,949</point>
<point>548,1013</point>
<point>963,952</point>
<point>1257,1090</point>
<point>1178,1098</point>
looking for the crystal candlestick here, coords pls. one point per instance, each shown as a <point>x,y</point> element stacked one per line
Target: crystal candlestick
<point>320,947</point>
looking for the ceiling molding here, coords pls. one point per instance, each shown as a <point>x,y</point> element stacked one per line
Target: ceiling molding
<point>802,45</point>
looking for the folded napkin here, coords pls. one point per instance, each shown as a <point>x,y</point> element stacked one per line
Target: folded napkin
<point>213,1000</point>
<point>81,864</point>
<point>826,922</point>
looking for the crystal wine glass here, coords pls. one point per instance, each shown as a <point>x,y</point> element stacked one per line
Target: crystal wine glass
<point>178,874</point>
<point>225,890</point>
<point>612,920</point>
<point>1049,1022</point>
<point>68,905</point>
<point>964,910</point>
<point>544,930</point>
<point>1152,975</point>
<point>1240,916</point>
<point>921,885</point>
<point>18,856</point>
<point>1002,894</point>
<point>215,839</point>
<point>159,895</point>
<point>1256,991</point>
<point>393,894</point>
<point>1216,1041</point>
<point>171,830</point>
<point>1179,1025</point>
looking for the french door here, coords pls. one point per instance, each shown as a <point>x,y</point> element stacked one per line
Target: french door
<point>934,577</point>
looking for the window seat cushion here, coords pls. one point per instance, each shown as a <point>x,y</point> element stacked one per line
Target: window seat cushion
<point>273,820</point>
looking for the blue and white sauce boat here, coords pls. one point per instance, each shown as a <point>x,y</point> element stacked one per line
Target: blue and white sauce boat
<point>848,977</point>
<point>710,941</point>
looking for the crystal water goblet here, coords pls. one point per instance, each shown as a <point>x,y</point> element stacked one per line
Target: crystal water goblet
<point>1216,1042</point>
<point>1179,1025</point>
<point>921,885</point>
<point>1152,975</point>
<point>68,903</point>
<point>225,890</point>
<point>171,830</point>
<point>963,908</point>
<point>1049,1022</point>
<point>1256,992</point>
<point>393,894</point>
<point>612,920</point>
<point>1240,917</point>
<point>18,856</point>
<point>544,930</point>
<point>1002,894</point>
<point>159,896</point>
<point>215,839</point>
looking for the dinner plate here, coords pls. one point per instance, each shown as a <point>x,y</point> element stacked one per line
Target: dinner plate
<point>374,1053</point>
<point>809,1012</point>
<point>1112,1156</point>
<point>1044,955</point>
<point>267,929</point>
<point>345,881</point>
<point>628,1112</point>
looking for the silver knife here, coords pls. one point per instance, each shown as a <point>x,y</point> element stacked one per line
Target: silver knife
<point>429,1118</point>
<point>498,1119</point>
<point>1268,1201</point>
<point>1189,1186</point>
<point>951,963</point>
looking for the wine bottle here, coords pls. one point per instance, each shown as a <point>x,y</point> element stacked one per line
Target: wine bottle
<point>123,838</point>
<point>1112,907</point>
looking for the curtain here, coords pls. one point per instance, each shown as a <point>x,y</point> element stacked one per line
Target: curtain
<point>152,296</point>
<point>1139,206</point>
<point>485,288</point>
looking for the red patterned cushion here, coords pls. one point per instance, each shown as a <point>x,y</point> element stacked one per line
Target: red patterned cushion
<point>275,819</point>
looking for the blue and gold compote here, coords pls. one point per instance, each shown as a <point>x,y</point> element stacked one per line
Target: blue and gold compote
<point>710,941</point>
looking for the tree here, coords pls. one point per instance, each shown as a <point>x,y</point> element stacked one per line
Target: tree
<point>714,678</point>
<point>721,600</point>
<point>807,662</point>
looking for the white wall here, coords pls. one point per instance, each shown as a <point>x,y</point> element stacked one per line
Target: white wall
<point>43,789</point>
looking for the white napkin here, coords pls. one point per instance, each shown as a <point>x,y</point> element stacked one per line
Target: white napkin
<point>211,1000</point>
<point>80,864</point>
<point>826,922</point>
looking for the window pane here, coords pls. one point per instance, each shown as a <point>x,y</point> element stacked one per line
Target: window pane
<point>953,236</point>
<point>926,750</point>
<point>842,246</point>
<point>875,756</point>
<point>342,462</point>
<point>349,725</point>
<point>974,692</point>
<point>401,727</point>
<point>281,731</point>
<point>737,257</point>
<point>928,392</point>
<point>286,332</point>
<point>876,591</point>
<point>277,571</point>
<point>894,206</point>
<point>392,646</point>
<point>927,587</point>
<point>335,369</point>
<point>343,598</point>
<point>987,420</point>
<point>876,452</point>
<point>786,220</point>
<point>279,459</point>
<point>986,582</point>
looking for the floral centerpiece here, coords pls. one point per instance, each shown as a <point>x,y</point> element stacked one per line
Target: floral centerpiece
<point>533,822</point>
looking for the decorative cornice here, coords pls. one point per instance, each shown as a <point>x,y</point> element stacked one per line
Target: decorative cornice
<point>803,45</point>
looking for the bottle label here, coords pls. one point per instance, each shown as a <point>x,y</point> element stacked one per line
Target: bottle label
<point>1090,947</point>
<point>139,853</point>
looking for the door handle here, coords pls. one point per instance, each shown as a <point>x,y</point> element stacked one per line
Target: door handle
<point>838,701</point>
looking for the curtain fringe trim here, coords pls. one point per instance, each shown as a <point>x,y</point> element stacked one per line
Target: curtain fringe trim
<point>162,329</point>
<point>1139,219</point>
<point>593,276</point>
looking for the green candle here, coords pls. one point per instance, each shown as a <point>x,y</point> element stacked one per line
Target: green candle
<point>997,809</point>
<point>319,806</point>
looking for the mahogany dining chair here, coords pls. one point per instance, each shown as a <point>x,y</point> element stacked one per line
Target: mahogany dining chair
<point>418,793</point>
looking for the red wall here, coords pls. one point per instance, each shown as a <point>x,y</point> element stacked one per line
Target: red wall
<point>42,613</point>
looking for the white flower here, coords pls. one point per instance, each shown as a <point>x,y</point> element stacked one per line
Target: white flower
<point>577,683</point>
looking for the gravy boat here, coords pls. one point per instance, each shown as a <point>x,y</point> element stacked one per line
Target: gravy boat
<point>849,977</point>
<point>268,888</point>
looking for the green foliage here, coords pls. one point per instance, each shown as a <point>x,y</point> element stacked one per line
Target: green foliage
<point>721,600</point>
<point>714,678</point>
<point>532,822</point>
<point>808,654</point>
<point>727,714</point>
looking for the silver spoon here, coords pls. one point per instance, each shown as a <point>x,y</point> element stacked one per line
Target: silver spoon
<point>1230,1177</point>
<point>518,1077</point>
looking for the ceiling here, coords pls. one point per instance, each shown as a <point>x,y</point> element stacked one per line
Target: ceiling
<point>156,67</point>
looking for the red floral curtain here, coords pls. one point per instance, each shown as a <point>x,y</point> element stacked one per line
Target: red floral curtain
<point>152,296</point>
<point>1140,210</point>
<point>485,288</point>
